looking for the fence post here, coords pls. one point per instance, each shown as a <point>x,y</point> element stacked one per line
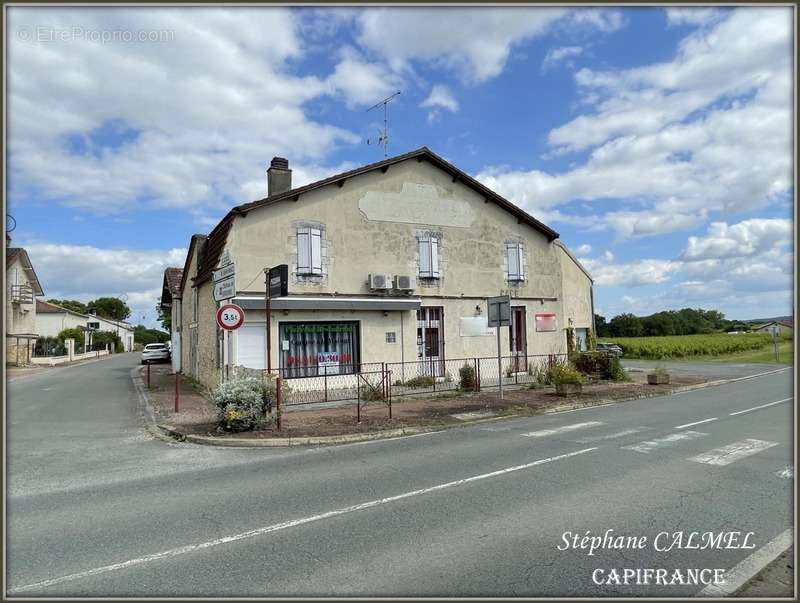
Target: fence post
<point>325,379</point>
<point>475,385</point>
<point>278,396</point>
<point>383,380</point>
<point>479,373</point>
<point>177,391</point>
<point>389,389</point>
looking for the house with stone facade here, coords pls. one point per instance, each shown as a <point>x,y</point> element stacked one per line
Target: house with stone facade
<point>390,262</point>
<point>22,287</point>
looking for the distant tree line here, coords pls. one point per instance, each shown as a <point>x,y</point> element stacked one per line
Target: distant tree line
<point>143,335</point>
<point>688,321</point>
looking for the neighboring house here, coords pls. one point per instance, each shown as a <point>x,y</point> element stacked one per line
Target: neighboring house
<point>22,287</point>
<point>171,298</point>
<point>390,262</point>
<point>782,327</point>
<point>52,319</point>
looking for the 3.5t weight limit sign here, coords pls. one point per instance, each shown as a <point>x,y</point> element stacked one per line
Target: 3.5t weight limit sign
<point>230,317</point>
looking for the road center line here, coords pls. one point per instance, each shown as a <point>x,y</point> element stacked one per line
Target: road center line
<point>287,524</point>
<point>696,423</point>
<point>741,412</point>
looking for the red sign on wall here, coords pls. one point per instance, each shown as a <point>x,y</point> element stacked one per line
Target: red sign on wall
<point>545,321</point>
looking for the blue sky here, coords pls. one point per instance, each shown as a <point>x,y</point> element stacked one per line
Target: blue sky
<point>657,142</point>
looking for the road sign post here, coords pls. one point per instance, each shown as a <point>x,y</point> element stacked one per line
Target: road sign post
<point>499,316</point>
<point>230,317</point>
<point>276,285</point>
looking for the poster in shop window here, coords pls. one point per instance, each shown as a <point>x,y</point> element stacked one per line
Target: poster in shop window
<point>328,363</point>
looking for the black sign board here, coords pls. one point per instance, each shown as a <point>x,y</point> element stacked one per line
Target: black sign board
<point>279,281</point>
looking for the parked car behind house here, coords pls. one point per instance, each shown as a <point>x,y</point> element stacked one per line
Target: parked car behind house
<point>155,352</point>
<point>610,348</point>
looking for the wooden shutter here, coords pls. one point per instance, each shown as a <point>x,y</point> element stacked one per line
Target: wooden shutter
<point>316,251</point>
<point>512,255</point>
<point>304,251</point>
<point>425,257</point>
<point>434,257</point>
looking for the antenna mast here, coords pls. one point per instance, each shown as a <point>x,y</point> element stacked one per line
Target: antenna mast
<point>383,136</point>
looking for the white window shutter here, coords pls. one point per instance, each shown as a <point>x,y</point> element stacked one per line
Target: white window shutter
<point>521,256</point>
<point>434,257</point>
<point>425,257</point>
<point>512,254</point>
<point>316,251</point>
<point>303,251</point>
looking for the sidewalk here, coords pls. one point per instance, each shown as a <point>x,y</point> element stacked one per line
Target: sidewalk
<point>197,416</point>
<point>775,580</point>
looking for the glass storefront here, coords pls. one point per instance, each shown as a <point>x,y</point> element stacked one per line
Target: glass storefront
<point>311,349</point>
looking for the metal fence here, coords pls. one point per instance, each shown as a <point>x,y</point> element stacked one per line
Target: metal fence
<point>383,381</point>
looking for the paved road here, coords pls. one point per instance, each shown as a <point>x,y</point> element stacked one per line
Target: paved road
<point>99,509</point>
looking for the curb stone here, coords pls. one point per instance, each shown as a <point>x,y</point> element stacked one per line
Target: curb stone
<point>170,433</point>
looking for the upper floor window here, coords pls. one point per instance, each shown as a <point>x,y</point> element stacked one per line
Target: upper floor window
<point>429,256</point>
<point>516,265</point>
<point>309,251</point>
<point>194,304</point>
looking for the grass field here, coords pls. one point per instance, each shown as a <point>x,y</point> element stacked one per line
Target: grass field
<point>746,347</point>
<point>767,355</point>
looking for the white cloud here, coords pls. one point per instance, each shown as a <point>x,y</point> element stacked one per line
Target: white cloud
<point>476,42</point>
<point>441,96</point>
<point>747,238</point>
<point>708,131</point>
<point>557,55</point>
<point>584,249</point>
<point>362,82</point>
<point>631,274</point>
<point>84,272</point>
<point>691,16</point>
<point>208,107</point>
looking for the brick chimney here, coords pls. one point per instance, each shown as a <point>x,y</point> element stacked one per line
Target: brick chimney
<point>279,176</point>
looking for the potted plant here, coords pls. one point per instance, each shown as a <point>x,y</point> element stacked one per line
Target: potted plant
<point>567,380</point>
<point>658,376</point>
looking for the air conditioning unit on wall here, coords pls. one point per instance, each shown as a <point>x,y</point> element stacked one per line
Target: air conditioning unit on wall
<point>405,283</point>
<point>380,282</point>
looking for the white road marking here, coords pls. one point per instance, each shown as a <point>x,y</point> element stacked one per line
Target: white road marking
<point>741,412</point>
<point>695,423</point>
<point>649,445</point>
<point>286,524</point>
<point>611,436</point>
<point>732,452</point>
<point>745,570</point>
<point>477,414</point>
<point>787,473</point>
<point>592,407</point>
<point>563,429</point>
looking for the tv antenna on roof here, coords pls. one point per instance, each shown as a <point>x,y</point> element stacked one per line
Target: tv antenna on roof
<point>383,135</point>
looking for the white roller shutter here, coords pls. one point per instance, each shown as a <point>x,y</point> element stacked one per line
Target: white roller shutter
<point>250,346</point>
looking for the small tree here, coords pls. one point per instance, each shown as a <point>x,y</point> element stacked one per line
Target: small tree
<point>101,338</point>
<point>109,307</point>
<point>73,333</point>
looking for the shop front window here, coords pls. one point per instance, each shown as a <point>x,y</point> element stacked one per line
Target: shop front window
<point>311,349</point>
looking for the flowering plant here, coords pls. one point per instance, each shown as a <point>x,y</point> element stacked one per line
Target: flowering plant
<point>242,403</point>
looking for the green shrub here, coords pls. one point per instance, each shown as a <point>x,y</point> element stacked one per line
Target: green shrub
<point>565,374</point>
<point>242,402</point>
<point>371,392</point>
<point>466,377</point>
<point>421,381</point>
<point>605,366</point>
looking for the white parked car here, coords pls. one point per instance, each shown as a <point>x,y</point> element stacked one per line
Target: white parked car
<point>155,352</point>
